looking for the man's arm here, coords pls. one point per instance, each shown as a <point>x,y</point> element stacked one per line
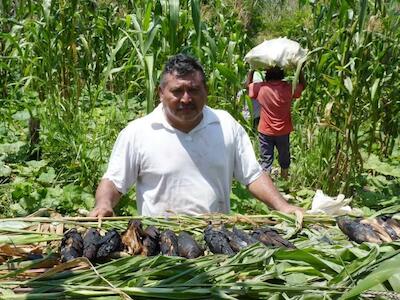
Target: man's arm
<point>264,189</point>
<point>107,197</point>
<point>249,79</point>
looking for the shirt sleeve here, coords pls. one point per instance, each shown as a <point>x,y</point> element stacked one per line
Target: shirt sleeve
<point>254,88</point>
<point>123,164</point>
<point>246,168</point>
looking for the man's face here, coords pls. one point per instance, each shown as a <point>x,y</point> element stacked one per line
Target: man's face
<point>183,98</point>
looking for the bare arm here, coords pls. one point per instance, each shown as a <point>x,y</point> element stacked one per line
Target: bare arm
<point>264,189</point>
<point>249,79</point>
<point>107,197</point>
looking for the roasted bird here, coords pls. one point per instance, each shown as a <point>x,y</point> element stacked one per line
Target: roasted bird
<point>91,240</point>
<point>383,235</point>
<point>270,237</point>
<point>234,240</point>
<point>394,224</point>
<point>244,236</point>
<point>357,231</point>
<point>108,244</point>
<point>151,241</point>
<point>71,245</point>
<point>188,247</point>
<point>169,243</point>
<point>391,230</point>
<point>132,238</point>
<point>217,241</point>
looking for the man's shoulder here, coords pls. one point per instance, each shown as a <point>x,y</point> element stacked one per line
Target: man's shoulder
<point>219,114</point>
<point>279,83</point>
<point>223,118</point>
<point>143,122</point>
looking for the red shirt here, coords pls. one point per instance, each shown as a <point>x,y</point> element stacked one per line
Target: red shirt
<point>275,98</point>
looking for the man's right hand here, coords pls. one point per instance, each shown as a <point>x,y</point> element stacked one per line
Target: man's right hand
<point>107,197</point>
<point>101,211</point>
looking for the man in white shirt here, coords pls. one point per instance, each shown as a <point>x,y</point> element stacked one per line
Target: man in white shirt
<point>183,156</point>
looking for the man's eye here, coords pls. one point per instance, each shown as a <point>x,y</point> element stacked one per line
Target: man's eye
<point>194,89</point>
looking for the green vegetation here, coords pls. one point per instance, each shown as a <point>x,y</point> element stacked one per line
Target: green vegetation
<point>325,265</point>
<point>73,73</point>
<point>350,109</point>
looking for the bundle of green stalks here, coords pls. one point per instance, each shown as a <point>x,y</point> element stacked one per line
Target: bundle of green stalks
<point>325,265</point>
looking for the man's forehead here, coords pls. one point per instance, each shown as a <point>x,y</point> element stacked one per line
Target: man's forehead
<point>194,78</point>
<point>193,74</point>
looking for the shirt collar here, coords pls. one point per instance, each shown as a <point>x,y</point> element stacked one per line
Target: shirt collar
<point>209,117</point>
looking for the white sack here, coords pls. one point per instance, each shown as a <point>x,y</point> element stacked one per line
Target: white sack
<point>280,52</point>
<point>334,206</point>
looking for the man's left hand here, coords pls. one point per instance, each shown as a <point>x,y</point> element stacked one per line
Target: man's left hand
<point>291,209</point>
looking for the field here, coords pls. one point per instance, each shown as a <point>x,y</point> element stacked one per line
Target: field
<point>74,73</point>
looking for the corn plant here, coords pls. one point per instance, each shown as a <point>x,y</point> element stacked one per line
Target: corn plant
<point>352,85</point>
<point>85,68</point>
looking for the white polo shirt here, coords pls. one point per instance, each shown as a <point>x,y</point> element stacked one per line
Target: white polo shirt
<point>182,173</point>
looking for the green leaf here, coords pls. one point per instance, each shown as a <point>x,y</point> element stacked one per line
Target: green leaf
<point>22,115</point>
<point>196,17</point>
<point>227,73</point>
<point>5,170</point>
<point>395,282</point>
<point>18,210</point>
<point>373,163</point>
<point>36,164</point>
<point>150,84</point>
<point>173,23</point>
<point>363,13</point>
<point>14,224</point>
<point>47,177</point>
<point>314,260</point>
<point>356,266</point>
<point>382,273</point>
<point>11,148</point>
<point>374,88</point>
<point>150,37</point>
<point>348,84</point>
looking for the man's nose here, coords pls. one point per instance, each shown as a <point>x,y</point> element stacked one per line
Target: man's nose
<point>186,97</point>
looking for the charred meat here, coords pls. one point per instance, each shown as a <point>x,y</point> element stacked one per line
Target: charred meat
<point>108,244</point>
<point>169,243</point>
<point>234,241</point>
<point>71,245</point>
<point>378,228</point>
<point>270,237</point>
<point>132,238</point>
<point>356,231</point>
<point>91,240</point>
<point>188,247</point>
<point>244,236</point>
<point>391,231</point>
<point>217,241</point>
<point>151,242</point>
<point>394,224</point>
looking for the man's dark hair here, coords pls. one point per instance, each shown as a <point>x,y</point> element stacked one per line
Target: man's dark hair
<point>274,73</point>
<point>181,65</point>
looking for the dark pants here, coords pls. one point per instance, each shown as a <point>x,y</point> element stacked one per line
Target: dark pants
<point>256,120</point>
<point>267,145</point>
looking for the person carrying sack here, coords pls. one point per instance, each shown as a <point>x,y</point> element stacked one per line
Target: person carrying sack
<point>275,97</point>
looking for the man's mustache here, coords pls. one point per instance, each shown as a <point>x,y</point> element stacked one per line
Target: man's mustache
<point>186,106</point>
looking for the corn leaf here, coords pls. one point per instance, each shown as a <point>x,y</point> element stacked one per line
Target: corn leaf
<point>382,273</point>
